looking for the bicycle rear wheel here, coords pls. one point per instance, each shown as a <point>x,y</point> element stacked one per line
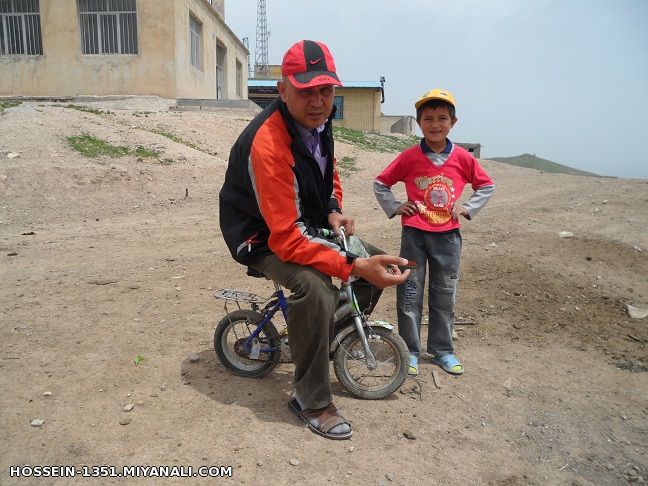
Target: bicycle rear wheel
<point>391,355</point>
<point>230,336</point>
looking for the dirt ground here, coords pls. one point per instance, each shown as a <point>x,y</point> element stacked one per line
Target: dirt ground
<point>106,259</point>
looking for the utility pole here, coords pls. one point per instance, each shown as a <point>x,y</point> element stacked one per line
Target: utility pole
<point>262,34</point>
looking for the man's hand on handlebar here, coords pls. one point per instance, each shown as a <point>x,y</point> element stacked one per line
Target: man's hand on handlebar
<point>336,220</point>
<point>381,270</point>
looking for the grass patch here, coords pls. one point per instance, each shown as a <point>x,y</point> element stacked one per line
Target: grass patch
<point>86,109</point>
<point>8,104</point>
<point>373,141</point>
<point>177,139</point>
<point>94,147</point>
<point>346,165</point>
<point>632,366</point>
<point>144,152</point>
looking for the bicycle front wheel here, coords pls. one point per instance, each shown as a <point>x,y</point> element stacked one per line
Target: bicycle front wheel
<point>351,368</point>
<point>229,339</point>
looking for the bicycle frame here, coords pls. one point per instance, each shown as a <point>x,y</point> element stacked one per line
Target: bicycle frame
<point>369,356</point>
<point>368,359</point>
<point>254,300</point>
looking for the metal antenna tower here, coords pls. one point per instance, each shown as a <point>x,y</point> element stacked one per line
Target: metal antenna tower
<point>246,43</point>
<point>262,34</point>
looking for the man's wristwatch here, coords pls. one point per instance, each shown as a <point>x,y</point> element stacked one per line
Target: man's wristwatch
<point>334,210</point>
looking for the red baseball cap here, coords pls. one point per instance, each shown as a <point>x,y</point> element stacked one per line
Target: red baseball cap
<point>309,63</point>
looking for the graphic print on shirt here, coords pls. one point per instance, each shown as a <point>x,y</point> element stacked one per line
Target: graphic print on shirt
<point>438,198</point>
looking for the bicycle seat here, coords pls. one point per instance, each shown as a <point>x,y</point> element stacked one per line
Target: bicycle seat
<point>251,272</point>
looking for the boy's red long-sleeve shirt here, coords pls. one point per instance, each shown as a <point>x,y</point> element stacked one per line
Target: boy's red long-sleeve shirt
<point>434,189</point>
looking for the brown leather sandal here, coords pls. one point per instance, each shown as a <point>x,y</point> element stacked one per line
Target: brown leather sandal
<point>322,420</point>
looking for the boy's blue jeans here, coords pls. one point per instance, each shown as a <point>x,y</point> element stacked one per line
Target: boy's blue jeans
<point>441,254</point>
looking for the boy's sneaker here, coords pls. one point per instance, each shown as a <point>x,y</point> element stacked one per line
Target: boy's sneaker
<point>413,365</point>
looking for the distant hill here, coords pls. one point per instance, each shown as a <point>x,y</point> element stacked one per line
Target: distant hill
<point>534,162</point>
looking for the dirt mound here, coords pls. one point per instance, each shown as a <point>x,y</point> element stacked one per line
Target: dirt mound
<point>105,259</point>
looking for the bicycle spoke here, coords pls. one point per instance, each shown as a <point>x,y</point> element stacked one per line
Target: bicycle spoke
<point>356,363</point>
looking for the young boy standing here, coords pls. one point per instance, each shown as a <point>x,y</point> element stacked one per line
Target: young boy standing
<point>434,173</point>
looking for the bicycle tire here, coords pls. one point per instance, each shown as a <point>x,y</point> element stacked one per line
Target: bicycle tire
<point>391,356</point>
<point>232,330</point>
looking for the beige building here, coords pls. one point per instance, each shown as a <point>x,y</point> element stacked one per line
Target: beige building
<point>169,48</point>
<point>405,125</point>
<point>473,148</point>
<point>357,103</point>
<point>358,106</point>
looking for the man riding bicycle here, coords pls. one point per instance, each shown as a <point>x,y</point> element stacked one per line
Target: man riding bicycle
<point>281,185</point>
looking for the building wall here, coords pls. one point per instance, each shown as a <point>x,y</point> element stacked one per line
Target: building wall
<point>219,6</point>
<point>161,67</point>
<point>473,148</point>
<point>201,83</point>
<point>63,71</point>
<point>361,109</point>
<point>386,122</point>
<point>405,125</point>
<point>272,71</point>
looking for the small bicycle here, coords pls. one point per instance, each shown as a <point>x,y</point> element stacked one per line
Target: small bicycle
<point>369,359</point>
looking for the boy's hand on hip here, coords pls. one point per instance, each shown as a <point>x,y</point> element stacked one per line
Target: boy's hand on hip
<point>459,210</point>
<point>408,208</point>
<point>381,270</point>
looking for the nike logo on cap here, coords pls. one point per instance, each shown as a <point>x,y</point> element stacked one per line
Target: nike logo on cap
<point>315,61</point>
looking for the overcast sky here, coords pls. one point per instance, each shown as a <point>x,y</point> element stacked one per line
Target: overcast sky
<point>564,79</point>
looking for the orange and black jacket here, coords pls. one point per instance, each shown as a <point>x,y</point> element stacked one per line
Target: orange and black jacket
<point>274,198</point>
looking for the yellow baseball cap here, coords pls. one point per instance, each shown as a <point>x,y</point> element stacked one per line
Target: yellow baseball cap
<point>435,94</point>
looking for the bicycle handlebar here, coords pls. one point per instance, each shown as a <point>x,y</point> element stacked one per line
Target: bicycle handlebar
<point>331,235</point>
<point>343,238</point>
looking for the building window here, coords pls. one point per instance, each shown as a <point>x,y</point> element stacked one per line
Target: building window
<point>338,102</point>
<point>239,79</point>
<point>196,42</point>
<point>108,26</point>
<point>220,70</point>
<point>20,29</point>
